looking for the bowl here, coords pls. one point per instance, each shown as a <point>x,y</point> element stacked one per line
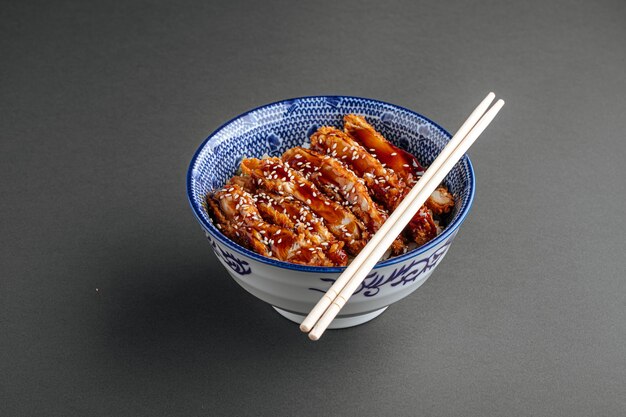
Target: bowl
<point>271,129</point>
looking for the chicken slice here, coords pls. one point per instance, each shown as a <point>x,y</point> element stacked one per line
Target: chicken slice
<point>286,211</point>
<point>383,184</point>
<point>272,174</point>
<point>239,208</point>
<point>236,230</point>
<point>440,201</point>
<point>422,227</point>
<point>332,176</point>
<point>405,165</point>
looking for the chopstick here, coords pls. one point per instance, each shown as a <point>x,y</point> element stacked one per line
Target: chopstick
<point>336,297</point>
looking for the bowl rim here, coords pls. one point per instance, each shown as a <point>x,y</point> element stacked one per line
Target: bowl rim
<point>211,229</point>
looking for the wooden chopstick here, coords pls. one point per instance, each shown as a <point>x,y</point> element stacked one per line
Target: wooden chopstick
<point>337,296</point>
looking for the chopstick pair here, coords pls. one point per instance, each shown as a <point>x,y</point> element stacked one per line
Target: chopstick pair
<point>338,294</point>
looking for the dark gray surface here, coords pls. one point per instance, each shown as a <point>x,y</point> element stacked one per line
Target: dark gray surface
<point>111,303</point>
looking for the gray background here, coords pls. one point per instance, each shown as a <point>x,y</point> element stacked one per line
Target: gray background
<point>111,303</point>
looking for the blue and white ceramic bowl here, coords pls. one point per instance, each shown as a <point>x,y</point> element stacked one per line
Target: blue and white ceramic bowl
<point>270,130</point>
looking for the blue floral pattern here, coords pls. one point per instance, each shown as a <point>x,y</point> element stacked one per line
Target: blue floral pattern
<point>273,144</point>
<point>234,263</point>
<point>405,274</point>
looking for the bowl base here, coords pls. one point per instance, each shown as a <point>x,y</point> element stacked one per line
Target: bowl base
<point>339,322</point>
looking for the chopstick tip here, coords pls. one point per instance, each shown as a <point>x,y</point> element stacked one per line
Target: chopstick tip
<point>314,337</point>
<point>305,328</point>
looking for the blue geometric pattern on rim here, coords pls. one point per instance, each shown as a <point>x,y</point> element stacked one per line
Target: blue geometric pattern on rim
<point>276,127</point>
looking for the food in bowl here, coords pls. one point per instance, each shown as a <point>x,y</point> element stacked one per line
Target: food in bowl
<point>319,205</point>
<point>293,289</point>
